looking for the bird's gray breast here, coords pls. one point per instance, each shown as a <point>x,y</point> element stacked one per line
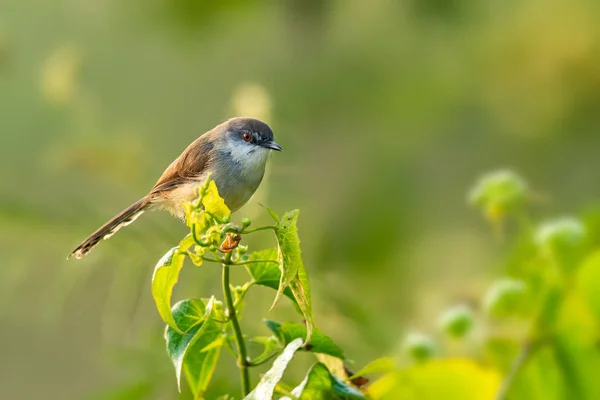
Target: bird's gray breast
<point>236,179</point>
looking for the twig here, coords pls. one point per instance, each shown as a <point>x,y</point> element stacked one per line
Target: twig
<point>516,366</point>
<point>237,330</point>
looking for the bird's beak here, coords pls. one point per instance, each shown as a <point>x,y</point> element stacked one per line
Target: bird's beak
<point>273,146</point>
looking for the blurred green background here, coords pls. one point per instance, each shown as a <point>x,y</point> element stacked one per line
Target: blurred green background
<point>387,111</point>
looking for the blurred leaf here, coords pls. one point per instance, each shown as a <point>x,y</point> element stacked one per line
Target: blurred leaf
<point>134,391</point>
<point>385,364</point>
<point>265,388</point>
<point>319,342</point>
<point>166,274</point>
<point>268,273</point>
<point>588,282</point>
<point>194,351</point>
<point>292,268</point>
<point>451,378</point>
<point>320,384</point>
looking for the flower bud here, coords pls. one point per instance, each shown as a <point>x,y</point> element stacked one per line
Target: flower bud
<point>560,233</point>
<point>506,297</point>
<point>418,346</point>
<point>498,193</point>
<point>457,321</point>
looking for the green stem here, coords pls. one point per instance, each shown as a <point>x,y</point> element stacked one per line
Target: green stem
<point>242,360</point>
<point>516,366</point>
<point>262,228</point>
<point>262,360</point>
<point>208,259</point>
<point>254,261</point>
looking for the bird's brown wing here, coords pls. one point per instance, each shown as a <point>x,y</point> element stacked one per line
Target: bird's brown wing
<point>191,163</point>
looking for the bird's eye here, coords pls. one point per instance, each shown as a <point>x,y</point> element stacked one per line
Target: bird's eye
<point>247,137</point>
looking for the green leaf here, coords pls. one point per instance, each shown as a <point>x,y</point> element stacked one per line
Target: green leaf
<point>166,274</point>
<point>293,273</point>
<point>273,214</point>
<point>212,201</point>
<point>319,342</point>
<point>265,388</point>
<point>385,364</point>
<point>267,274</point>
<point>194,352</point>
<point>320,384</point>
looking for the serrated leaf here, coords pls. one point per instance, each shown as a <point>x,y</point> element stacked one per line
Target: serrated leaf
<point>273,214</point>
<point>212,201</point>
<point>267,274</point>
<point>266,387</point>
<point>293,273</point>
<point>193,352</point>
<point>385,364</point>
<point>319,342</point>
<point>320,384</point>
<point>166,274</point>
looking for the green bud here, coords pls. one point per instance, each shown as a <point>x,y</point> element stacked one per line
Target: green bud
<point>226,219</point>
<point>246,222</point>
<point>506,297</point>
<point>560,233</point>
<point>242,249</point>
<point>457,321</point>
<point>238,290</point>
<point>498,192</point>
<point>418,346</point>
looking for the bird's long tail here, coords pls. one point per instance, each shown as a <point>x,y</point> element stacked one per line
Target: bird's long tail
<point>124,218</point>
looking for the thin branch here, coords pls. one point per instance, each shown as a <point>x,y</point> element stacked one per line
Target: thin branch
<point>237,330</point>
<point>254,261</point>
<point>516,366</point>
<point>256,362</point>
<point>208,259</point>
<point>262,228</point>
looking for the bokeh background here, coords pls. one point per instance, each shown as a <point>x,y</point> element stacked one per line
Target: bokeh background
<point>387,110</point>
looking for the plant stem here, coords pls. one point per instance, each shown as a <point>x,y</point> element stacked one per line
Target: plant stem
<point>254,261</point>
<point>516,366</point>
<point>262,228</point>
<point>242,360</point>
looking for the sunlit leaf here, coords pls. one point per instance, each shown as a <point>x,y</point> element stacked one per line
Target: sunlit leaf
<point>293,273</point>
<point>194,352</point>
<point>319,342</point>
<point>450,378</point>
<point>320,384</point>
<point>334,364</point>
<point>266,387</point>
<point>385,364</point>
<point>212,201</point>
<point>267,273</point>
<point>166,274</point>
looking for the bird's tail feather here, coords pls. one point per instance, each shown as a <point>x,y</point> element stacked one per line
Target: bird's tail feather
<point>122,219</point>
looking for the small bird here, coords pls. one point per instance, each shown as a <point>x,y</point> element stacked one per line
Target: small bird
<point>233,153</point>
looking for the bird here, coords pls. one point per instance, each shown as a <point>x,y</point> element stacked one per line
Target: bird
<point>234,154</point>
